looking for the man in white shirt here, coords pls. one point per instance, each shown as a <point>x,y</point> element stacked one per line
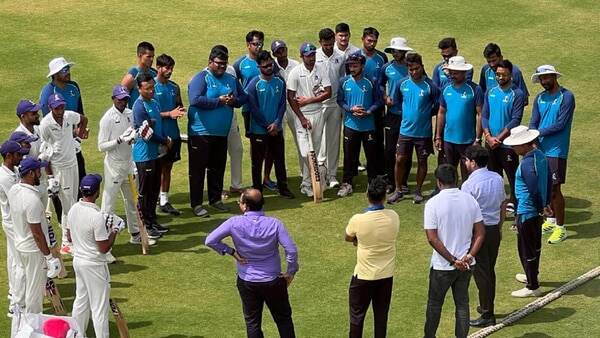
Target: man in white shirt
<point>487,187</point>
<point>342,40</point>
<point>56,129</point>
<point>454,228</point>
<point>308,86</point>
<point>93,234</point>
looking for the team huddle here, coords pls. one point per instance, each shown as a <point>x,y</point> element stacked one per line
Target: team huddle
<point>336,96</point>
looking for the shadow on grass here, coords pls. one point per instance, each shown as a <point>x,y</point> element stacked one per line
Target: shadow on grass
<point>534,335</point>
<point>582,231</point>
<point>577,203</point>
<point>547,315</point>
<point>114,331</point>
<point>180,336</point>
<point>575,217</point>
<point>589,289</point>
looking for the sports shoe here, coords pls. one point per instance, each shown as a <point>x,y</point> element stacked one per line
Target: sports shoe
<point>525,292</point>
<point>200,211</point>
<point>396,197</point>
<point>548,227</point>
<point>65,249</point>
<point>361,168</point>
<point>345,190</point>
<point>219,206</point>
<point>160,227</point>
<point>286,193</point>
<point>521,278</point>
<point>405,189</point>
<point>418,197</point>
<point>167,208</point>
<point>333,182</point>
<point>306,190</point>
<point>110,259</point>
<point>558,235</point>
<point>510,207</point>
<point>270,185</point>
<point>137,240</point>
<point>153,233</point>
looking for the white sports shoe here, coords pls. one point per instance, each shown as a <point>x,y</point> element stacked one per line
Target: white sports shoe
<point>525,292</point>
<point>333,182</point>
<point>345,190</point>
<point>138,240</point>
<point>306,190</point>
<point>521,278</point>
<point>110,259</point>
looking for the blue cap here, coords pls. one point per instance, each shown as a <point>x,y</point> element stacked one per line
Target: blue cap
<point>356,58</point>
<point>12,147</point>
<point>275,45</point>
<point>19,136</point>
<point>90,183</point>
<point>56,100</point>
<point>120,92</point>
<point>29,164</point>
<point>25,106</point>
<point>307,48</point>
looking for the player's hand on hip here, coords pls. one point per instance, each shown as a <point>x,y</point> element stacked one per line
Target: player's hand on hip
<point>53,265</point>
<point>239,258</point>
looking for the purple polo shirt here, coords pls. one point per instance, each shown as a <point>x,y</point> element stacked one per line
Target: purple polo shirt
<point>256,237</point>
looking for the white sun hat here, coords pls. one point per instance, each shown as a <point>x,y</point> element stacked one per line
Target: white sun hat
<point>56,64</point>
<point>458,63</point>
<point>543,70</point>
<point>521,135</point>
<point>397,43</point>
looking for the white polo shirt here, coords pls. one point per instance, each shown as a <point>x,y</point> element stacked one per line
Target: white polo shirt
<point>61,138</point>
<point>452,212</point>
<point>487,187</point>
<point>26,208</point>
<point>8,178</point>
<point>87,226</point>
<point>112,125</point>
<point>285,72</point>
<point>335,69</point>
<point>308,83</point>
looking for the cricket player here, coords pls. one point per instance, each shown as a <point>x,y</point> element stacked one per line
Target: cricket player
<point>31,235</point>
<point>552,115</point>
<point>93,233</point>
<point>56,129</point>
<point>308,85</point>
<point>359,97</point>
<point>168,95</point>
<point>440,75</point>
<point>145,59</point>
<point>115,136</point>
<point>487,77</point>
<point>502,110</point>
<point>342,40</point>
<point>458,118</point>
<point>333,61</point>
<point>246,67</point>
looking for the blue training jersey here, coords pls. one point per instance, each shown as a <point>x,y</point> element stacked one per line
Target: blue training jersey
<point>391,73</point>
<point>487,80</point>
<point>267,101</point>
<point>362,92</point>
<point>441,80</point>
<point>134,92</point>
<point>460,104</point>
<point>502,109</point>
<point>70,93</point>
<point>373,64</point>
<point>147,110</point>
<point>533,185</point>
<point>419,102</point>
<point>166,94</point>
<point>552,115</point>
<point>246,69</point>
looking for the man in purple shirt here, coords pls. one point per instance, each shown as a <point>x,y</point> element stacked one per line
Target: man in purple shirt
<point>256,238</point>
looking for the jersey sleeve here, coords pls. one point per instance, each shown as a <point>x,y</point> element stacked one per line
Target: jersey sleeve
<point>44,95</point>
<point>534,121</point>
<point>442,100</point>
<point>430,221</point>
<point>34,213</point>
<point>72,117</point>
<point>482,80</point>
<point>435,76</point>
<point>517,110</point>
<point>292,81</point>
<point>197,93</point>
<point>565,114</point>
<point>326,81</point>
<point>100,230</point>
<point>478,95</point>
<point>351,228</point>
<point>485,113</point>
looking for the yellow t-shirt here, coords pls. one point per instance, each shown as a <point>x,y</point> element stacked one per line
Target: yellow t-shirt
<point>376,232</point>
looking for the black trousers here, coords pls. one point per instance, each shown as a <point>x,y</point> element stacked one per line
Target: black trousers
<point>207,157</point>
<point>352,142</point>
<point>361,294</point>
<point>80,169</point>
<point>378,117</point>
<point>439,283</point>
<point>504,159</point>
<point>262,146</point>
<point>529,241</point>
<point>484,271</point>
<point>391,123</point>
<point>148,188</point>
<point>274,293</point>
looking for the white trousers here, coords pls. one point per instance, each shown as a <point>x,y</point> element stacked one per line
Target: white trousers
<point>117,178</point>
<point>92,283</point>
<point>329,153</point>
<point>235,151</point>
<point>35,281</point>
<point>290,118</point>
<point>14,268</point>
<point>68,178</point>
<point>317,122</point>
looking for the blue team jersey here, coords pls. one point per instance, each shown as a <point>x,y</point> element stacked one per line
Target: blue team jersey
<point>487,80</point>
<point>207,115</point>
<point>441,80</point>
<point>166,95</point>
<point>70,93</point>
<point>134,92</point>
<point>552,115</point>
<point>390,75</point>
<point>533,185</point>
<point>147,110</point>
<point>502,109</point>
<point>246,69</point>
<point>373,64</point>
<point>358,93</point>
<point>419,101</point>
<point>267,101</point>
<point>460,103</point>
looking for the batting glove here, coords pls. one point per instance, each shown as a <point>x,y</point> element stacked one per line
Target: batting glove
<point>53,264</point>
<point>145,131</point>
<point>127,137</point>
<point>118,224</point>
<point>53,185</point>
<point>46,151</point>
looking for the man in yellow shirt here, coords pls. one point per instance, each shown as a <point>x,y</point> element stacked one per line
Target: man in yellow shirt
<point>374,233</point>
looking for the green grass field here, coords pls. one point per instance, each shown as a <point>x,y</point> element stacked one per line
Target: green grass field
<point>185,290</point>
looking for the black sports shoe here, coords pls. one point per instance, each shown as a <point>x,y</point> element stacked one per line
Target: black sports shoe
<point>167,208</point>
<point>286,193</point>
<point>153,233</point>
<point>219,206</point>
<point>160,228</point>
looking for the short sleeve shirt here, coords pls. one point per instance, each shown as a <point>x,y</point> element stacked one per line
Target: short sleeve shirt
<point>87,226</point>
<point>308,83</point>
<point>26,208</point>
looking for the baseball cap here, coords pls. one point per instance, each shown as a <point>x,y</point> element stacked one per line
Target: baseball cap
<point>12,147</point>
<point>356,58</point>
<point>307,48</point>
<point>56,64</point>
<point>56,100</point>
<point>90,183</point>
<point>120,92</point>
<point>25,106</point>
<point>544,70</point>
<point>31,163</point>
<point>276,44</point>
<point>19,136</point>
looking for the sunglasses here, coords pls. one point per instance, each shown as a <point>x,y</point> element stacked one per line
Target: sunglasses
<point>65,70</point>
<point>256,44</point>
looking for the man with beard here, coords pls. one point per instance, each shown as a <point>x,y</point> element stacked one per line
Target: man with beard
<point>440,75</point>
<point>487,78</point>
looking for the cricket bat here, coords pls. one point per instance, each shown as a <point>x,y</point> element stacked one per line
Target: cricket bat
<point>54,295</point>
<point>313,167</point>
<point>119,318</point>
<point>141,226</point>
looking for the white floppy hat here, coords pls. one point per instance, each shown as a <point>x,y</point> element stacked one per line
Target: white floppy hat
<point>543,70</point>
<point>397,43</point>
<point>521,135</point>
<point>458,63</point>
<point>56,64</point>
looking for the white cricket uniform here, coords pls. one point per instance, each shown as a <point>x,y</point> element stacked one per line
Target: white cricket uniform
<point>235,148</point>
<point>92,278</point>
<point>118,164</point>
<point>351,49</point>
<point>289,116</point>
<point>64,159</point>
<point>14,267</point>
<point>330,143</point>
<point>35,152</point>
<point>26,208</point>
<point>307,83</point>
